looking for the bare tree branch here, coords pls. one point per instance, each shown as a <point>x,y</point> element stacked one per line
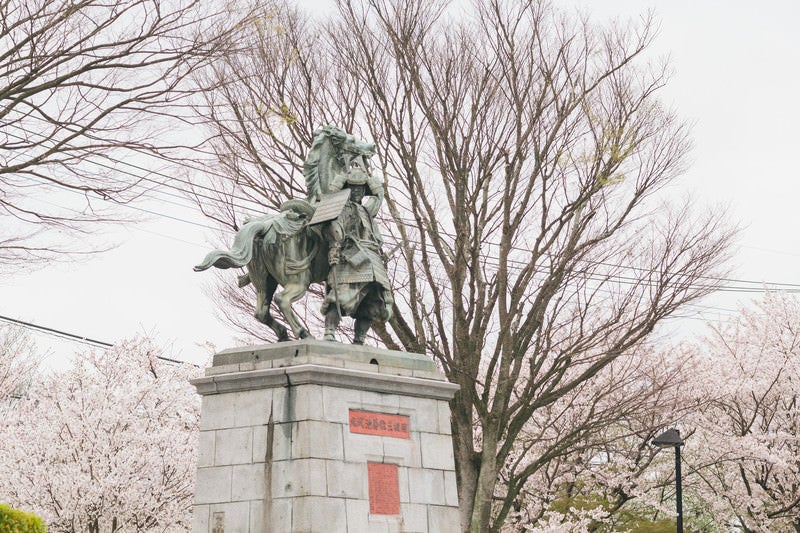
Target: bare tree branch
<point>84,86</point>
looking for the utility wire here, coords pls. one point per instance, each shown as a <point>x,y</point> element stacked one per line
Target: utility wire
<point>412,223</point>
<point>630,280</point>
<point>126,205</point>
<point>78,338</point>
<point>789,287</point>
<point>622,279</point>
<point>57,332</point>
<point>193,186</point>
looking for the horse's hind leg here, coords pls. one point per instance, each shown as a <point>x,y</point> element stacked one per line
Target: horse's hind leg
<point>262,309</point>
<point>290,294</point>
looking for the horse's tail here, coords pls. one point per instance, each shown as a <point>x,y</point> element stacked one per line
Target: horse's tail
<point>242,250</point>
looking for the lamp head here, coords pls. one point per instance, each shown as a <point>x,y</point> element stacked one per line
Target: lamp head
<point>668,439</point>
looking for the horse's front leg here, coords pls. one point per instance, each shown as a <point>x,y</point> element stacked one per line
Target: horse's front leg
<point>290,294</point>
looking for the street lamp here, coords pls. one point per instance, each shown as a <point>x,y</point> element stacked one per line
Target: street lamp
<point>672,438</point>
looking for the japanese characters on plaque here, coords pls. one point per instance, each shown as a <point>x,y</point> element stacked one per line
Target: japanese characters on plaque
<point>380,424</point>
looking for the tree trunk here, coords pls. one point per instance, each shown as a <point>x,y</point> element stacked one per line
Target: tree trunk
<point>484,490</point>
<point>467,461</point>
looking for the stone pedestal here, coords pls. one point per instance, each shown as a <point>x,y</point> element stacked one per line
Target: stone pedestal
<point>311,436</point>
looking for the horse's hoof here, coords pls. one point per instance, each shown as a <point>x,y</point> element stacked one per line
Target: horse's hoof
<point>329,337</point>
<point>304,334</point>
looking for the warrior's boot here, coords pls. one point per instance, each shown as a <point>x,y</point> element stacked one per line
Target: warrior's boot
<point>331,323</point>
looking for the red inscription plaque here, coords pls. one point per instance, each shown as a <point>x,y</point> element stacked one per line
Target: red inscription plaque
<point>379,424</point>
<point>384,488</point>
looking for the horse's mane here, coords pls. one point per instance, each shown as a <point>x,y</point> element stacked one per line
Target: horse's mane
<point>311,169</point>
<point>324,158</point>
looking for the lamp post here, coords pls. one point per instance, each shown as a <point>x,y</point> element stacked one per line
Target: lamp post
<point>672,438</point>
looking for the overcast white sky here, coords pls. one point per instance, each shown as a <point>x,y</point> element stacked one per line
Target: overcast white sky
<point>736,77</point>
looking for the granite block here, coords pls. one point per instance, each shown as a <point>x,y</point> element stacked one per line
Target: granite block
<point>233,446</point>
<point>415,518</point>
<point>205,448</point>
<point>248,482</point>
<point>200,515</point>
<point>212,485</point>
<point>216,412</point>
<point>444,519</point>
<point>234,516</point>
<point>318,514</point>
<point>252,407</point>
<point>437,451</point>
<point>426,486</point>
<point>320,440</point>
<point>346,480</point>
<point>300,477</point>
<point>337,402</point>
<point>357,448</point>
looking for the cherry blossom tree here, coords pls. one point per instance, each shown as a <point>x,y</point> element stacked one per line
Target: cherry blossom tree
<point>587,463</point>
<point>108,445</point>
<point>747,447</point>
<point>19,361</point>
<point>734,395</point>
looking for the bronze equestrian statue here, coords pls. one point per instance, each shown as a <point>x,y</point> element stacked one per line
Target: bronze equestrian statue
<point>329,237</point>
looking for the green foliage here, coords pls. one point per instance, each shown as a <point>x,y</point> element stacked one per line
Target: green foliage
<point>633,516</point>
<point>627,519</point>
<point>567,504</point>
<point>636,524</point>
<point>14,521</point>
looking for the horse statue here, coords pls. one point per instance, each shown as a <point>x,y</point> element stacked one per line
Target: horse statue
<point>277,250</point>
<point>329,237</point>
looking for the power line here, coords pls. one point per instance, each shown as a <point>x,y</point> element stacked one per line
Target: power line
<point>80,339</point>
<point>517,263</point>
<point>57,332</point>
<point>193,186</point>
<point>788,287</point>
<point>86,340</point>
<point>125,205</point>
<point>412,223</point>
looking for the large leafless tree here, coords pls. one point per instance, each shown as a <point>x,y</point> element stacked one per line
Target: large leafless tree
<point>85,86</point>
<point>525,153</point>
